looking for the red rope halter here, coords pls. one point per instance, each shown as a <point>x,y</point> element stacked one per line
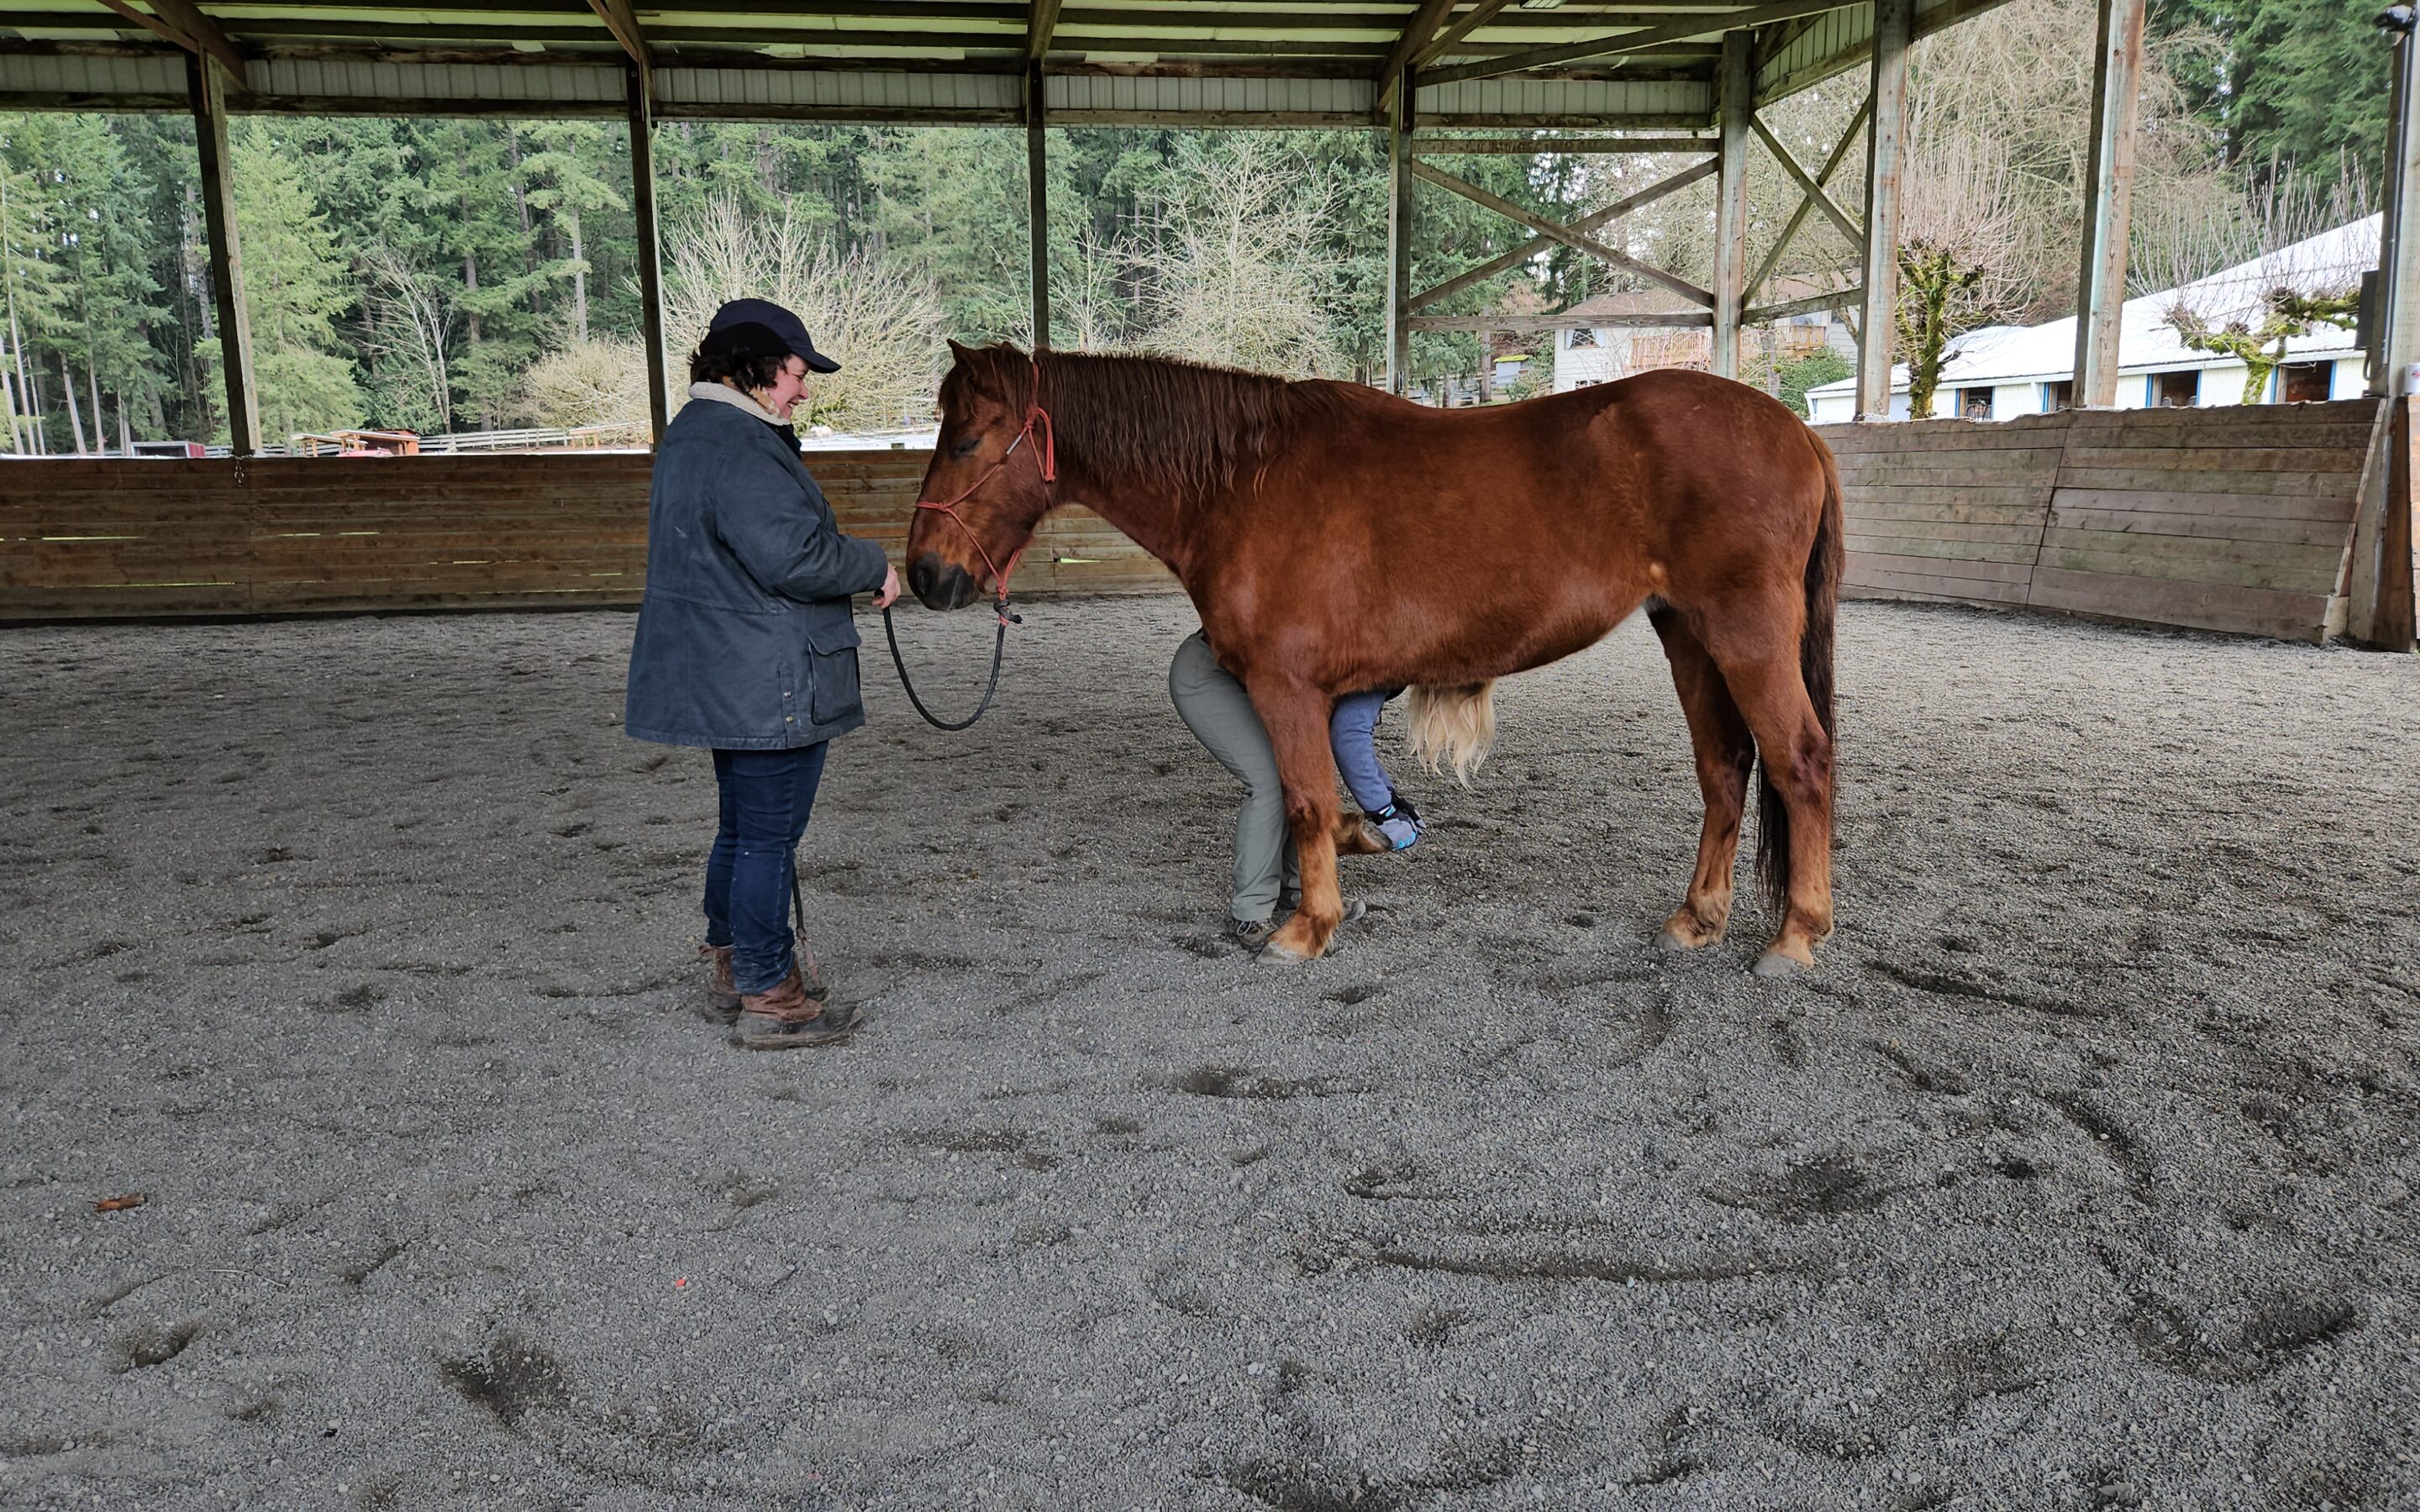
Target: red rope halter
<point>1047,459</point>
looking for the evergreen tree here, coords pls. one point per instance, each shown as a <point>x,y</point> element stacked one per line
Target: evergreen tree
<point>296,286</point>
<point>570,170</point>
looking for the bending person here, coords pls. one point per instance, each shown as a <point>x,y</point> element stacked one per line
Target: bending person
<point>1214,705</point>
<point>746,647</point>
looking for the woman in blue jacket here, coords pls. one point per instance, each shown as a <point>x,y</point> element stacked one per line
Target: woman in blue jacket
<point>746,647</point>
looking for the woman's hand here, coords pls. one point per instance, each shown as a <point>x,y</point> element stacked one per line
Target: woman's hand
<point>890,593</point>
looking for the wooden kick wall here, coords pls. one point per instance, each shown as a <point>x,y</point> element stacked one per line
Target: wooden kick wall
<point>2231,519</point>
<point>91,537</point>
<point>2234,518</point>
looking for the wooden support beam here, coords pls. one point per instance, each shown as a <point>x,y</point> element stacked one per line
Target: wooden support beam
<point>1530,325</point>
<point>1839,299</point>
<point>1408,44</point>
<point>182,23</point>
<point>1399,168</point>
<point>1735,95</point>
<point>1037,202</point>
<point>1840,155</point>
<point>2109,194</point>
<point>623,22</point>
<point>1885,145</point>
<point>1569,146</point>
<point>641,100</point>
<point>1632,41</point>
<point>2382,610</point>
<point>187,17</point>
<point>205,80</point>
<point>1811,187</point>
<point>1587,223</point>
<point>1041,23</point>
<point>1567,237</point>
<point>1445,41</point>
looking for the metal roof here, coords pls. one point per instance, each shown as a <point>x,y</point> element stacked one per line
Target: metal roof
<point>1475,63</point>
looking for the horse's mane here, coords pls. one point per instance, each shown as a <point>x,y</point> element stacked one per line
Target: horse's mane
<point>1187,427</point>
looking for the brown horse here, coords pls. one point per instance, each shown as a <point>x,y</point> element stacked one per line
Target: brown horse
<point>1337,538</point>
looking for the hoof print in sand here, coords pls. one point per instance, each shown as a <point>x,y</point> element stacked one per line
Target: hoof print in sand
<point>1821,1188</point>
<point>2270,1339</point>
<point>141,1349</point>
<point>1242,1082</point>
<point>514,1378</point>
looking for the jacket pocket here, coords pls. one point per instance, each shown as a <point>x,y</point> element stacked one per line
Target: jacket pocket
<point>833,671</point>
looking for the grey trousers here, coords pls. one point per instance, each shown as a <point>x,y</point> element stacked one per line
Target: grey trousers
<point>1220,714</point>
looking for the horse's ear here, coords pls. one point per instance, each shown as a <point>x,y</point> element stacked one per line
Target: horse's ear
<point>958,354</point>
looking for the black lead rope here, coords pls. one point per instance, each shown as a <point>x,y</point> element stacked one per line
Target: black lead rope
<point>999,643</point>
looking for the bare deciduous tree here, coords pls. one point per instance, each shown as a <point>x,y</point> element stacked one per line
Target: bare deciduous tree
<point>2252,272</point>
<point>1237,268</point>
<point>880,323</point>
<point>410,325</point>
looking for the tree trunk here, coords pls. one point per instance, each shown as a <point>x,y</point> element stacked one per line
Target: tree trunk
<point>579,276</point>
<point>520,203</point>
<point>125,430</point>
<point>75,414</point>
<point>92,387</point>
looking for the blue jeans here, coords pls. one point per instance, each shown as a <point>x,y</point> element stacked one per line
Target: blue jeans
<point>1353,735</point>
<point>766,795</point>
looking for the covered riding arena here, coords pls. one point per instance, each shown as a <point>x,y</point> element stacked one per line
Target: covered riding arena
<point>2081,1173</point>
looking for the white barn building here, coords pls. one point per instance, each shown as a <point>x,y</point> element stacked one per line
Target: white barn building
<point>2003,371</point>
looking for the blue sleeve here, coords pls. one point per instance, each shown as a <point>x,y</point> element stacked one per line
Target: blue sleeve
<point>1353,734</point>
<point>771,525</point>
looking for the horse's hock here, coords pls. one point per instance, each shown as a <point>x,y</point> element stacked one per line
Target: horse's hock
<point>2229,519</point>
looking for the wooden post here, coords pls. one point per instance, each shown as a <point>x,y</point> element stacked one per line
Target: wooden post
<point>2382,610</point>
<point>1037,202</point>
<point>205,84</point>
<point>1399,242</point>
<point>1487,369</point>
<point>2108,204</point>
<point>640,95</point>
<point>1737,96</point>
<point>1885,138</point>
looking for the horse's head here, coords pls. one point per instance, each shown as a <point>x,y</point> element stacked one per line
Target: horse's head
<point>991,480</point>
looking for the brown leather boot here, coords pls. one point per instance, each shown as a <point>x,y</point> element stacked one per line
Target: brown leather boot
<point>784,1017</point>
<point>721,993</point>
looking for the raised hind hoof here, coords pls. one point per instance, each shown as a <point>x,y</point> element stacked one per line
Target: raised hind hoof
<point>1785,961</point>
<point>1683,932</point>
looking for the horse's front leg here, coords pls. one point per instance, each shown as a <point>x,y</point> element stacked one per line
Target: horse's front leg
<point>1296,717</point>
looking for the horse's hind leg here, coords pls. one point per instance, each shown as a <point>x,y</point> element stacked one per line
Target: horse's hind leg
<point>1756,646</point>
<point>1296,720</point>
<point>1726,754</point>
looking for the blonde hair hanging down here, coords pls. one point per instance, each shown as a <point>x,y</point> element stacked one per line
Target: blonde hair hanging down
<point>1452,726</point>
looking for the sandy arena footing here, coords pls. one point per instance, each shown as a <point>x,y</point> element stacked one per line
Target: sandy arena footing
<point>2080,1174</point>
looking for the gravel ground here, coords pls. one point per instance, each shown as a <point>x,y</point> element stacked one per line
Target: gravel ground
<point>2080,1174</point>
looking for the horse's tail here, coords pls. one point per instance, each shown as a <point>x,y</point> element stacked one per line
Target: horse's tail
<point>1814,666</point>
<point>1453,726</point>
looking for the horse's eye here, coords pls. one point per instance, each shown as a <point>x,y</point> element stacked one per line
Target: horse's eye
<point>965,448</point>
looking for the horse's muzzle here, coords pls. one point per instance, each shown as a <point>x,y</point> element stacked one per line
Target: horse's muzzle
<point>939,585</point>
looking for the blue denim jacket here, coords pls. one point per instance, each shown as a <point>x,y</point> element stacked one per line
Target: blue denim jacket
<point>745,637</point>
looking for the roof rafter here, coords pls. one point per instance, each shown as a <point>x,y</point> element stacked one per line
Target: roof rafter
<point>623,22</point>
<point>1040,23</point>
<point>182,23</point>
<point>1633,41</point>
<point>1415,35</point>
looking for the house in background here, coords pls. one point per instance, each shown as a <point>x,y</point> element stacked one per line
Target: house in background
<point>2003,371</point>
<point>1599,354</point>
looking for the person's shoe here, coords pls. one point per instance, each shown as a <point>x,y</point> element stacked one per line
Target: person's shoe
<point>1251,934</point>
<point>784,1017</point>
<point>721,993</point>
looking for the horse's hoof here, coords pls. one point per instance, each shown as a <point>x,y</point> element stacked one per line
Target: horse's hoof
<point>1777,962</point>
<point>1671,940</point>
<point>1273,954</point>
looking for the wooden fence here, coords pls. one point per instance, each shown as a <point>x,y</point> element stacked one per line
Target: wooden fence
<point>2226,519</point>
<point>83,538</point>
<point>2221,520</point>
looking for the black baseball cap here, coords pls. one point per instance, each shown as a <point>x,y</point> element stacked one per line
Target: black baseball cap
<point>760,328</point>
